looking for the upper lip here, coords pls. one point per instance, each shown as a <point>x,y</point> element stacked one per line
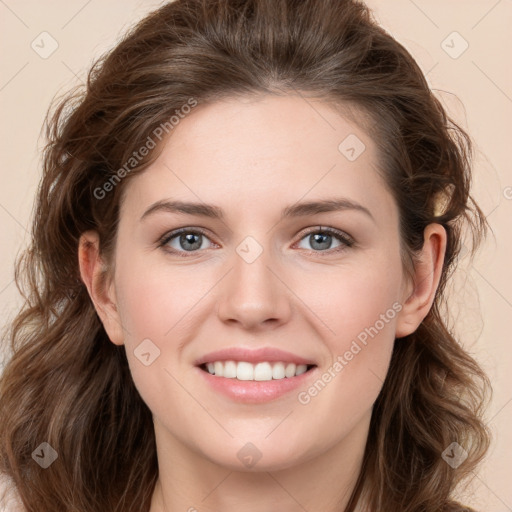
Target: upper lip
<point>253,356</point>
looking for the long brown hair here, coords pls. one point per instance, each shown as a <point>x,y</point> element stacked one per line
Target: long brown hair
<point>68,385</point>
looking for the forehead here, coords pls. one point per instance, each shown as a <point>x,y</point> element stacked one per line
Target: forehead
<point>254,152</point>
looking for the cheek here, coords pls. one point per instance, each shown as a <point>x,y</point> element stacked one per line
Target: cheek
<point>360,307</point>
<point>151,309</point>
<point>154,302</point>
<point>348,385</point>
<point>354,299</point>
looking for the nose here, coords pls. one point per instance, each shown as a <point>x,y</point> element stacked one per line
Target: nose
<point>254,294</point>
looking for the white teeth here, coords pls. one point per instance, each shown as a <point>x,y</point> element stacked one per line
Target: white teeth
<point>289,371</point>
<point>264,371</point>
<point>278,371</point>
<point>218,367</point>
<point>244,371</point>
<point>230,370</point>
<point>301,369</point>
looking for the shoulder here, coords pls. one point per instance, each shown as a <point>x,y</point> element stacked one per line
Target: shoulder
<point>9,498</point>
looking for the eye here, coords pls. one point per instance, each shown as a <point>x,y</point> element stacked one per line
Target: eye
<point>321,239</point>
<point>184,240</point>
<point>188,240</point>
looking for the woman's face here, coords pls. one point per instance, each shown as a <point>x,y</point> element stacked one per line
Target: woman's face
<point>325,285</point>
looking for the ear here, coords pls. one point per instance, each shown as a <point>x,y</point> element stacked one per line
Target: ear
<point>418,296</point>
<point>93,272</point>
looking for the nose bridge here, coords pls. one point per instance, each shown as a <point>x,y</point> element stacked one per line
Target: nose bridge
<point>252,293</point>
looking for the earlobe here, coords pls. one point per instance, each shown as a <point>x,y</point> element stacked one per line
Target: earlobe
<point>93,272</point>
<point>426,276</point>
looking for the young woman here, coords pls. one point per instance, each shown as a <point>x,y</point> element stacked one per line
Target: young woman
<point>242,239</point>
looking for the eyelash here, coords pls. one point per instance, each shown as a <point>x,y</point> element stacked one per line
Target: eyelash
<point>345,239</point>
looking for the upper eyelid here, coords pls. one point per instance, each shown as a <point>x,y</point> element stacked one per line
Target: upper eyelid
<point>325,229</point>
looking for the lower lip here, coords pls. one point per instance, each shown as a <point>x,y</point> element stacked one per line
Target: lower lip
<point>255,392</point>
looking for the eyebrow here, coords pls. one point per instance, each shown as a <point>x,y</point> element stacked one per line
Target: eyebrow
<point>292,211</point>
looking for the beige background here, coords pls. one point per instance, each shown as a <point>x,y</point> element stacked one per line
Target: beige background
<point>475,86</point>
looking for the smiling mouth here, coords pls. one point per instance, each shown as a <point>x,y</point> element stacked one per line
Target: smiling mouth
<point>263,371</point>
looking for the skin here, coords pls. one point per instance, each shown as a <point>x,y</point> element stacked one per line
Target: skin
<point>253,157</point>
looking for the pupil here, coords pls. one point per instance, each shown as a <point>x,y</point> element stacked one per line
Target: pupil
<point>189,239</point>
<point>317,239</point>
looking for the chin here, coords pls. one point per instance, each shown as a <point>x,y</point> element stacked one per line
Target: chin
<point>251,458</point>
